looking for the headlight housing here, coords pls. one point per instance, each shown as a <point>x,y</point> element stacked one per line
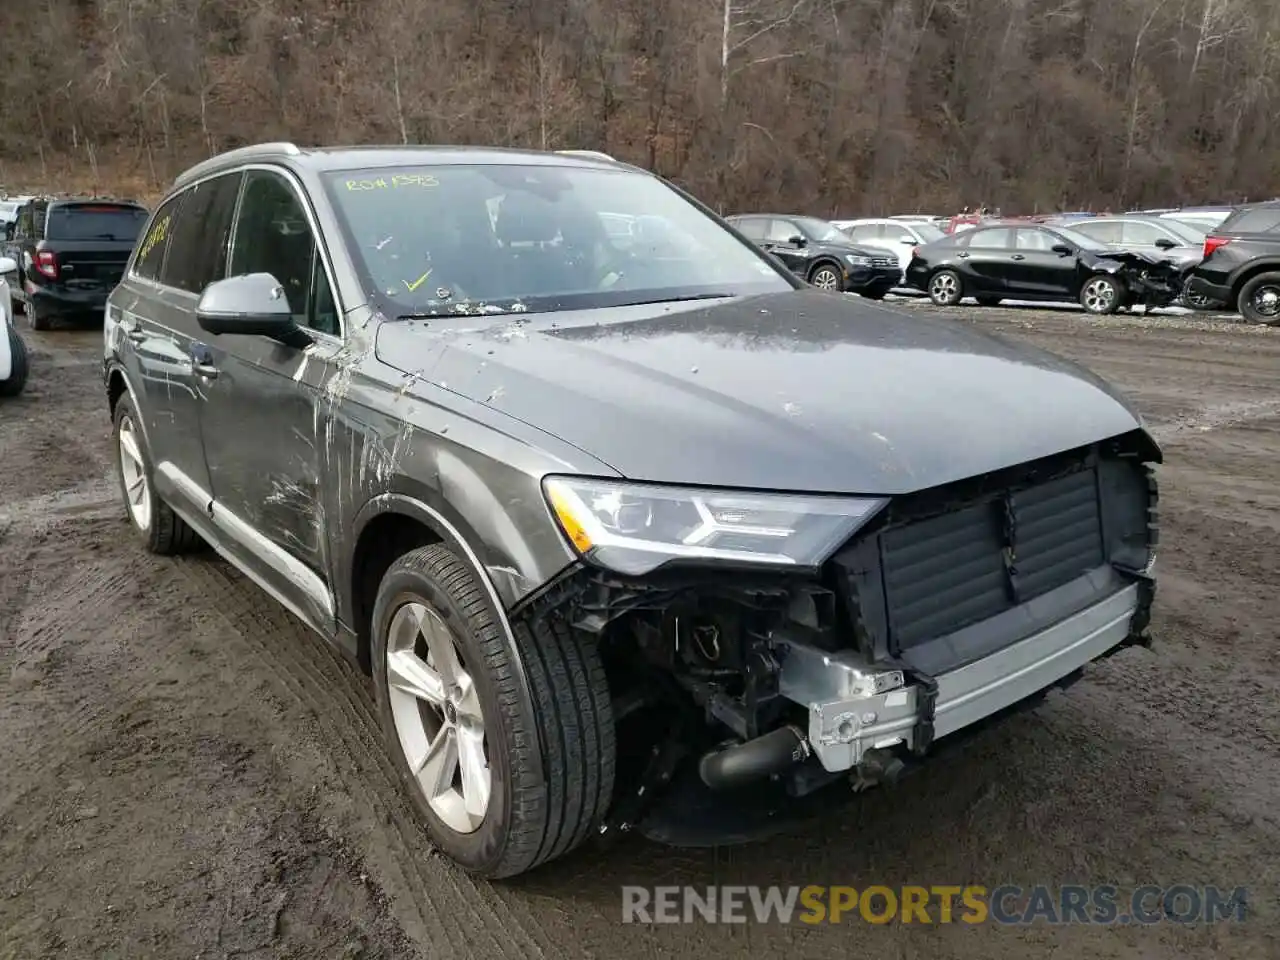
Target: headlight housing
<point>858,260</point>
<point>635,528</point>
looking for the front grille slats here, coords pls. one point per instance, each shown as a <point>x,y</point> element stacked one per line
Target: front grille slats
<point>946,572</point>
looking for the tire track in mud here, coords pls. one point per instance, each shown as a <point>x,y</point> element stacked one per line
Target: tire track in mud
<point>446,900</point>
<point>43,626</point>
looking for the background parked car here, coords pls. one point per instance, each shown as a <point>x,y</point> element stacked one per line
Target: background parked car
<point>71,253</point>
<point>1203,218</point>
<point>817,251</point>
<point>13,352</point>
<point>1026,262</point>
<point>1154,236</point>
<point>1241,263</point>
<point>897,236</point>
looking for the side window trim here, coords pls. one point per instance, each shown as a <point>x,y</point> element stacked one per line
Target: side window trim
<point>312,222</point>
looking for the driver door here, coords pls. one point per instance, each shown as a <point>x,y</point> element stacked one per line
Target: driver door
<point>262,420</point>
<point>778,242</point>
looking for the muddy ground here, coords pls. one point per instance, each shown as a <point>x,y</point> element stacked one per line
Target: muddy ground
<point>185,772</point>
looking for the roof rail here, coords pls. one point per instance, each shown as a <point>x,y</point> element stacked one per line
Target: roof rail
<point>593,154</point>
<point>255,151</point>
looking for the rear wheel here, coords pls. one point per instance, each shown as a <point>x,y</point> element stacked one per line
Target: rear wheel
<point>162,531</point>
<point>1102,294</point>
<point>506,775</point>
<point>945,288</point>
<point>18,365</point>
<point>1259,300</point>
<point>39,320</point>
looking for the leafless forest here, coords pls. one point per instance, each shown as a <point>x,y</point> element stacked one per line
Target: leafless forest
<point>827,106</point>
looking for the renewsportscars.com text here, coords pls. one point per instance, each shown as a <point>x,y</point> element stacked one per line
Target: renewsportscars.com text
<point>1005,904</point>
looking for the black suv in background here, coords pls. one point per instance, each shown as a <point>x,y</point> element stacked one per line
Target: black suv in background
<point>821,253</point>
<point>1241,264</point>
<point>71,254</point>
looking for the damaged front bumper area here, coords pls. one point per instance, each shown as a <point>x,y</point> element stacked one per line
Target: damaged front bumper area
<point>855,708</point>
<point>950,609</point>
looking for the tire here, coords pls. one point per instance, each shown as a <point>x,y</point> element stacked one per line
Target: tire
<point>1102,294</point>
<point>1259,299</point>
<point>988,301</point>
<point>19,364</point>
<point>827,276</point>
<point>162,531</point>
<point>945,288</point>
<point>1194,301</point>
<point>39,321</point>
<point>874,293</point>
<point>549,783</point>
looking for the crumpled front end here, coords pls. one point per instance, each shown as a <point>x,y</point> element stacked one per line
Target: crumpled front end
<point>1149,281</point>
<point>952,607</point>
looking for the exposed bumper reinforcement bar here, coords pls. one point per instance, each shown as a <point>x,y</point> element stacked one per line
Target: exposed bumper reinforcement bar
<point>853,709</point>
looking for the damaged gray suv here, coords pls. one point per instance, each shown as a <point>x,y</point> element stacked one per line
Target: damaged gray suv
<point>632,530</point>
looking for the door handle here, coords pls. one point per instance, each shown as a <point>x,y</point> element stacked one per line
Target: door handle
<point>202,361</point>
<point>1018,256</point>
<point>962,255</point>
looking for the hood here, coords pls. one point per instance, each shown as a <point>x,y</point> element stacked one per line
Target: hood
<point>802,390</point>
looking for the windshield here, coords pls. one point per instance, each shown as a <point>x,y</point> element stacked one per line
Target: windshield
<point>1080,240</point>
<point>95,222</point>
<point>456,239</point>
<point>821,231</point>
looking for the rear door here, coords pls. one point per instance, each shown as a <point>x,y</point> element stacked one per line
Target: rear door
<point>183,251</point>
<point>261,418</point>
<point>92,241</point>
<point>985,258</point>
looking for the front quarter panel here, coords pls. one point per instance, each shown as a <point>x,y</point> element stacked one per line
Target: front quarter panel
<point>391,444</point>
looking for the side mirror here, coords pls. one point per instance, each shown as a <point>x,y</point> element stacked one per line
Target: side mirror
<point>1062,249</point>
<point>8,265</point>
<point>1164,243</point>
<point>253,304</point>
<point>797,241</point>
<point>909,241</point>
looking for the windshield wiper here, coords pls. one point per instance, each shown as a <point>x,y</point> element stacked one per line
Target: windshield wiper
<point>695,296</point>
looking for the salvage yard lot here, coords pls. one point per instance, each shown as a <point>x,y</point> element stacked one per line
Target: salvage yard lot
<point>186,771</point>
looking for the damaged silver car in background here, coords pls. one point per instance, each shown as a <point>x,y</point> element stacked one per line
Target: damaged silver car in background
<point>631,530</point>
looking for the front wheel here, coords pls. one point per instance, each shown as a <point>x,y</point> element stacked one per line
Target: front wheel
<point>1259,300</point>
<point>505,775</point>
<point>1102,294</point>
<point>827,276</point>
<point>945,288</point>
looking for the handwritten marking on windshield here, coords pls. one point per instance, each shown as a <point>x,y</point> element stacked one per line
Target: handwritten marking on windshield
<point>417,283</point>
<point>394,182</point>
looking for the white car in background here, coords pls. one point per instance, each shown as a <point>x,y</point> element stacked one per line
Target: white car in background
<point>13,352</point>
<point>895,235</point>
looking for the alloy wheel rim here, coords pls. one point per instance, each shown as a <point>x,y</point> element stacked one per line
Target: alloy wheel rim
<point>944,287</point>
<point>133,470</point>
<point>1098,295</point>
<point>435,708</point>
<point>825,279</point>
<point>1266,300</point>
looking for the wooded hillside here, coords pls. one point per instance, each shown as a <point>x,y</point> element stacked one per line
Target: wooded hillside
<point>825,106</point>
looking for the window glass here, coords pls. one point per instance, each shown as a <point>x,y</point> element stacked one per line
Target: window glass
<point>150,252</point>
<point>1101,231</point>
<point>95,221</point>
<point>1256,220</point>
<point>198,237</point>
<point>1144,234</point>
<point>322,311</point>
<point>991,239</point>
<point>752,227</point>
<point>866,231</point>
<point>1034,240</point>
<point>781,231</point>
<point>273,236</point>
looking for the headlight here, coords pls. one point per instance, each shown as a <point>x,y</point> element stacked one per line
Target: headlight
<point>635,528</point>
<point>857,260</point>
